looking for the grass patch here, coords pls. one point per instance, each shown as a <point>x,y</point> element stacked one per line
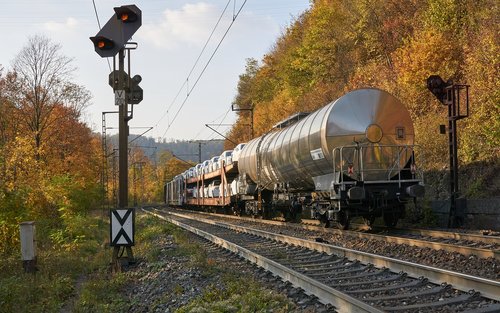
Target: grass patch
<point>103,292</point>
<point>79,250</point>
<point>62,258</point>
<point>240,294</point>
<point>74,272</point>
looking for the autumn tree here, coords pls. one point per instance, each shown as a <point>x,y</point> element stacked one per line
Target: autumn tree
<point>338,46</point>
<point>481,135</point>
<point>143,179</point>
<point>243,103</point>
<point>49,159</point>
<point>8,123</point>
<point>39,83</point>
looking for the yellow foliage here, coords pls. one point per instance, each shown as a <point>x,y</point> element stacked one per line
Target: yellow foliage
<point>429,52</point>
<point>338,46</point>
<point>481,134</point>
<point>20,165</point>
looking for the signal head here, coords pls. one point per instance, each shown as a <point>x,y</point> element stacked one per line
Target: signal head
<point>437,86</point>
<point>117,31</point>
<point>102,43</point>
<point>137,79</point>
<point>128,13</point>
<point>435,82</point>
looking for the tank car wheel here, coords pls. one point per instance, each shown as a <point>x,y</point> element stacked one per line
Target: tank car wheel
<point>391,219</point>
<point>323,221</point>
<point>369,220</point>
<point>343,220</point>
<point>294,213</point>
<point>239,211</point>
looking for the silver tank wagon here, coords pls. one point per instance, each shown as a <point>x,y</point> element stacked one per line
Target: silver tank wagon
<point>353,157</point>
<point>302,154</point>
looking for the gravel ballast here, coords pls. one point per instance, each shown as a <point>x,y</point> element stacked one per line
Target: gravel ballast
<point>172,281</point>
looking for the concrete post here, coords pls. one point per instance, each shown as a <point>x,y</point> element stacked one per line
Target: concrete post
<point>28,246</point>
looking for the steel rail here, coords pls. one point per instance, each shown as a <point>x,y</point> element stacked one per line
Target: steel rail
<point>326,294</point>
<point>451,235</point>
<point>487,239</point>
<point>488,288</point>
<point>444,234</point>
<point>421,243</point>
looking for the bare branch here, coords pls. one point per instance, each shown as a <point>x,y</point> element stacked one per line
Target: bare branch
<point>40,82</point>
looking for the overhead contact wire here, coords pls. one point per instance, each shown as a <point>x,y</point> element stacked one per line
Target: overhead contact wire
<point>205,67</point>
<point>99,24</point>
<point>223,118</point>
<point>195,63</point>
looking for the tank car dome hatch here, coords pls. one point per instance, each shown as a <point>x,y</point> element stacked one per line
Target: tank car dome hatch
<point>374,133</point>
<point>290,120</point>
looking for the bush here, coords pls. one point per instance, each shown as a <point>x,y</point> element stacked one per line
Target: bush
<point>65,253</point>
<point>420,215</point>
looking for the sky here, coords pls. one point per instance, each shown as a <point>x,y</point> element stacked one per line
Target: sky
<point>171,38</point>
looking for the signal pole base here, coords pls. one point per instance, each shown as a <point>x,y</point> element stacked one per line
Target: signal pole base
<point>119,261</point>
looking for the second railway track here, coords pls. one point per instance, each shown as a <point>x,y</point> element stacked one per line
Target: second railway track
<point>353,281</point>
<point>466,244</point>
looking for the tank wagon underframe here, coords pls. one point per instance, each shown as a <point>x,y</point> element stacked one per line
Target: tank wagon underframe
<point>354,157</point>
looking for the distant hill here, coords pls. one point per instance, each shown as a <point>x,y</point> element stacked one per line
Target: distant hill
<point>184,149</point>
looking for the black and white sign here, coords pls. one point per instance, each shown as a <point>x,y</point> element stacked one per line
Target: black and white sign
<point>120,97</point>
<point>122,223</point>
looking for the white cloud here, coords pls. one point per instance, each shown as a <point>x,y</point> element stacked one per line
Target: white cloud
<point>69,24</point>
<point>189,25</point>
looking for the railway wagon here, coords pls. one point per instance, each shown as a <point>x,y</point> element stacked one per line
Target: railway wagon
<point>174,191</point>
<point>353,157</point>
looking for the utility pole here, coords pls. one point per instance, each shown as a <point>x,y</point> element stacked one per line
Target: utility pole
<point>199,152</point>
<point>202,142</point>
<point>122,135</point>
<point>251,117</point>
<point>105,175</point>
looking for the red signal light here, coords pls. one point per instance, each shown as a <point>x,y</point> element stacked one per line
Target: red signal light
<point>117,31</point>
<point>350,169</point>
<point>128,14</point>
<point>102,43</point>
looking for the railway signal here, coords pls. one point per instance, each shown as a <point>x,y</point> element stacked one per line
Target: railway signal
<point>110,41</point>
<point>453,96</point>
<point>117,31</point>
<point>440,88</point>
<point>134,94</point>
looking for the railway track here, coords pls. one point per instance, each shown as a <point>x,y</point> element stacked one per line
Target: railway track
<point>492,238</point>
<point>480,241</point>
<point>352,281</point>
<point>466,244</point>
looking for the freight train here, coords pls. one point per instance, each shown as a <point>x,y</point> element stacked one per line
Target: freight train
<point>354,157</point>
